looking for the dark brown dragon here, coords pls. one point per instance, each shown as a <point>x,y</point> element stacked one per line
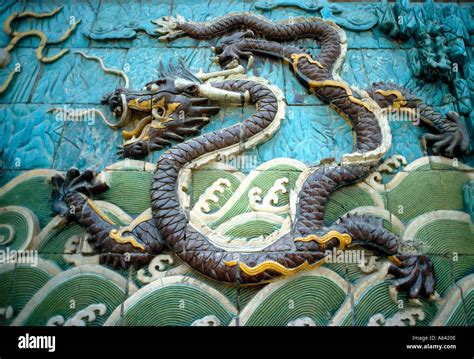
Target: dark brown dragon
<point>183,110</point>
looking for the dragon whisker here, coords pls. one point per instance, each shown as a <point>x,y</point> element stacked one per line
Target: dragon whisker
<point>106,69</point>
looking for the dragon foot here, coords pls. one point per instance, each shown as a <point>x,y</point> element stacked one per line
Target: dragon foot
<point>120,247</point>
<point>415,274</point>
<point>69,191</point>
<point>455,138</point>
<point>229,53</point>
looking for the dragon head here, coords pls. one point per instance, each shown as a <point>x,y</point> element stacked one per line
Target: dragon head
<point>165,110</point>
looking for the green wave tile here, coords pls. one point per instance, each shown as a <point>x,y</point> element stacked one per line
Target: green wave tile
<point>458,315</point>
<point>445,236</point>
<point>344,200</point>
<point>264,180</point>
<point>20,226</point>
<point>130,190</point>
<point>27,281</point>
<point>34,194</point>
<point>376,299</point>
<point>5,286</point>
<point>203,179</point>
<point>422,191</point>
<point>175,305</point>
<point>85,289</point>
<point>252,229</point>
<point>307,296</point>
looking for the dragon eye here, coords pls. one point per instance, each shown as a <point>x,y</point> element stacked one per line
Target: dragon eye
<point>161,112</point>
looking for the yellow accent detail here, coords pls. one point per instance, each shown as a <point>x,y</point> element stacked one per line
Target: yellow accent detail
<point>395,260</point>
<point>172,107</point>
<point>7,24</point>
<point>400,100</point>
<point>296,58</point>
<point>143,136</point>
<point>99,211</point>
<point>333,83</point>
<point>138,129</point>
<point>18,35</point>
<point>115,234</point>
<point>7,81</point>
<point>140,105</point>
<point>157,121</point>
<point>272,265</point>
<point>160,103</point>
<point>118,236</point>
<point>313,84</point>
<point>344,239</point>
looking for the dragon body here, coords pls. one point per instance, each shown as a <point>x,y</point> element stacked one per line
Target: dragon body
<point>183,104</point>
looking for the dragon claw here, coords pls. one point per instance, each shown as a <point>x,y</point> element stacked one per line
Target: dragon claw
<point>415,274</point>
<point>453,140</point>
<point>435,297</point>
<point>415,302</point>
<point>72,183</point>
<point>230,52</point>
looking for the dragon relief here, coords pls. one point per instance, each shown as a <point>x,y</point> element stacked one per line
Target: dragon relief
<point>172,109</point>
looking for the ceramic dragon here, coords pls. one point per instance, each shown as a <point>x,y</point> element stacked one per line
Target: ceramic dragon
<point>179,104</point>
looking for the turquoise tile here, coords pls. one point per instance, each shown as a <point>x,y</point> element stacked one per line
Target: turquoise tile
<point>340,131</point>
<point>295,92</point>
<point>7,8</point>
<point>25,62</point>
<point>387,66</point>
<point>87,144</point>
<point>55,26</point>
<point>128,24</point>
<point>30,136</point>
<point>73,79</point>
<point>355,69</point>
<point>303,135</point>
<point>271,70</point>
<point>433,93</point>
<point>406,140</point>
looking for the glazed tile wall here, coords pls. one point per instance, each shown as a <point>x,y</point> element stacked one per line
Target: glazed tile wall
<point>120,32</point>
